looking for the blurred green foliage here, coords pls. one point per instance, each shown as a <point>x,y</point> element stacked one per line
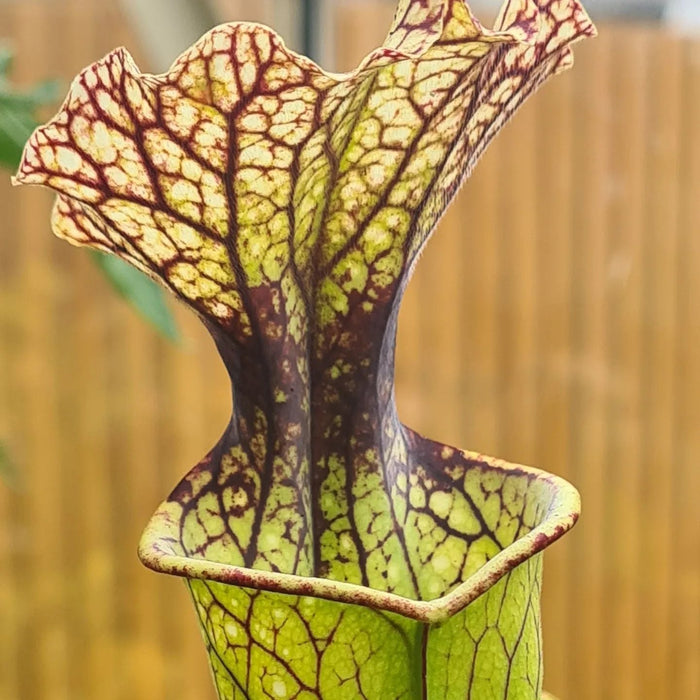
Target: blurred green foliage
<point>18,119</point>
<point>18,111</point>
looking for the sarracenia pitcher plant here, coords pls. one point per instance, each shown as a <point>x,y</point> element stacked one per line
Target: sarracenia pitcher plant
<point>331,552</point>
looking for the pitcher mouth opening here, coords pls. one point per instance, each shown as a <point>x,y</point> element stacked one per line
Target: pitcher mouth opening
<point>160,549</point>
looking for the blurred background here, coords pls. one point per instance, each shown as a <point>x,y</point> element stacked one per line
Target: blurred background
<point>554,320</point>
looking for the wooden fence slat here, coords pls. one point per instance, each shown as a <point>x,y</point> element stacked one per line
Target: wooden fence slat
<point>476,311</point>
<point>517,272</point>
<point>141,454</point>
<point>441,336</point>
<point>659,335</point>
<point>684,593</point>
<point>12,534</point>
<point>631,56</point>
<point>45,578</point>
<point>587,400</point>
<point>551,245</point>
<point>91,415</point>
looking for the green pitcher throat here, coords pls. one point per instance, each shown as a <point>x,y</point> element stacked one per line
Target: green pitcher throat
<point>330,550</point>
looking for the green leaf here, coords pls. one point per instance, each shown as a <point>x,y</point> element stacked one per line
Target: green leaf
<point>331,551</point>
<point>287,207</point>
<point>44,93</point>
<point>144,295</point>
<point>5,61</point>
<point>17,111</point>
<point>268,645</point>
<point>16,126</point>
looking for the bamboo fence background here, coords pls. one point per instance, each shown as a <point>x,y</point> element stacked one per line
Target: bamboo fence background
<point>554,320</point>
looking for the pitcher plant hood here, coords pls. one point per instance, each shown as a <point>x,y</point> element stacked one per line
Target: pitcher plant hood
<point>287,206</point>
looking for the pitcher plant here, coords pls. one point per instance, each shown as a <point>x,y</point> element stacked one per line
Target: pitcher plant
<point>331,552</point>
